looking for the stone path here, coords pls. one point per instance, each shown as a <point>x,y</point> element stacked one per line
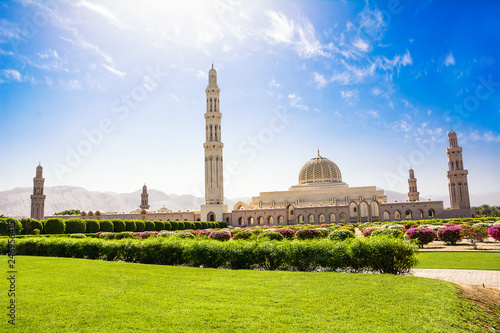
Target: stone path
<point>490,279</point>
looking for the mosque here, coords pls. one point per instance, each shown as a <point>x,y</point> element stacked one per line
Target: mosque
<point>321,196</point>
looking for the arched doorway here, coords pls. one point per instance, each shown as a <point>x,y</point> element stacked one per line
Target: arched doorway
<point>290,214</point>
<point>211,217</point>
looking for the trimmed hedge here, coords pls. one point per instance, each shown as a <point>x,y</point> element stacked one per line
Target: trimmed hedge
<point>140,226</point>
<point>174,225</point>
<point>118,225</point>
<point>130,225</point>
<point>150,225</point>
<point>159,225</point>
<point>378,254</point>
<point>92,226</point>
<point>54,225</point>
<point>5,226</point>
<point>106,226</point>
<point>75,226</point>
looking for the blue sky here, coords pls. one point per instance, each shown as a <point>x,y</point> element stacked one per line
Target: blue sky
<point>109,95</point>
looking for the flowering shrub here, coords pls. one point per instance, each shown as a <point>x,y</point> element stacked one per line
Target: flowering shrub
<point>340,234</point>
<point>165,234</point>
<point>308,234</point>
<point>220,235</point>
<point>422,236</point>
<point>474,234</point>
<point>324,231</point>
<point>410,225</point>
<point>270,235</point>
<point>494,232</point>
<point>388,232</point>
<point>368,231</point>
<point>483,224</point>
<point>145,234</point>
<point>124,234</point>
<point>450,234</point>
<point>105,235</point>
<point>243,234</point>
<point>185,235</point>
<point>287,233</point>
<point>77,236</point>
<point>204,233</point>
<point>395,226</point>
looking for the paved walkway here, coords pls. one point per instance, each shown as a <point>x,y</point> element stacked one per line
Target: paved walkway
<point>490,279</point>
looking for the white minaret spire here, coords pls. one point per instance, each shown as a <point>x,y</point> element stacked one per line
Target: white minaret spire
<point>214,207</point>
<point>413,194</point>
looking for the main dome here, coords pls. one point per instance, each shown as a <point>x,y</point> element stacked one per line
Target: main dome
<point>320,170</point>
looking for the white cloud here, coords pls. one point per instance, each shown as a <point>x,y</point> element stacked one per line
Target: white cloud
<point>101,10</point>
<point>114,71</point>
<point>301,35</point>
<point>351,96</point>
<point>374,114</point>
<point>320,80</point>
<point>296,102</point>
<point>12,74</point>
<point>449,60</point>
<point>361,45</point>
<point>74,85</point>
<point>274,84</point>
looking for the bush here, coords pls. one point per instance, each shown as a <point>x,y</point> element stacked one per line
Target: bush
<point>185,235</point>
<point>409,225</point>
<point>168,226</point>
<point>54,225</point>
<point>204,225</point>
<point>378,254</point>
<point>220,235</point>
<point>29,225</point>
<point>174,225</point>
<point>181,225</point>
<point>140,226</point>
<point>388,232</point>
<point>74,226</point>
<point>340,235</point>
<point>150,226</point>
<point>106,226</point>
<point>450,234</point>
<point>494,232</point>
<point>474,234</point>
<point>79,235</point>
<point>308,234</point>
<point>5,226</point>
<point>130,225</point>
<point>145,234</point>
<point>242,234</point>
<point>118,225</point>
<point>166,234</point>
<point>36,231</point>
<point>189,225</point>
<point>287,233</point>
<point>92,226</point>
<point>124,234</point>
<point>197,225</point>
<point>421,235</point>
<point>270,235</point>
<point>368,231</point>
<point>105,235</point>
<point>222,225</point>
<point>159,225</point>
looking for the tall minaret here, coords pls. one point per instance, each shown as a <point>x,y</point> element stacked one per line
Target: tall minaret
<point>413,195</point>
<point>457,176</point>
<point>38,198</point>
<point>214,207</point>
<point>144,198</point>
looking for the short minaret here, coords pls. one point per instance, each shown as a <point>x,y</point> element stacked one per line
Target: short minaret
<point>457,176</point>
<point>413,194</point>
<point>214,207</point>
<point>38,198</point>
<point>144,198</point>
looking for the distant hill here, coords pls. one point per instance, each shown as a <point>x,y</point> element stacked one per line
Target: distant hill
<point>16,202</point>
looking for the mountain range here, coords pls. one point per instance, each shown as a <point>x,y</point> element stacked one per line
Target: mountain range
<point>16,202</point>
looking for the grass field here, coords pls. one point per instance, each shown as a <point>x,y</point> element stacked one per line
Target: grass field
<point>459,260</point>
<point>79,295</point>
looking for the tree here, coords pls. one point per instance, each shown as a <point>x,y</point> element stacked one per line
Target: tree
<point>69,212</point>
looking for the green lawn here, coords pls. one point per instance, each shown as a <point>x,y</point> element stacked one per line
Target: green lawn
<point>79,295</point>
<point>459,260</point>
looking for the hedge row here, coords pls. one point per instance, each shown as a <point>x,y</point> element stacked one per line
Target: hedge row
<point>76,225</point>
<point>379,254</point>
